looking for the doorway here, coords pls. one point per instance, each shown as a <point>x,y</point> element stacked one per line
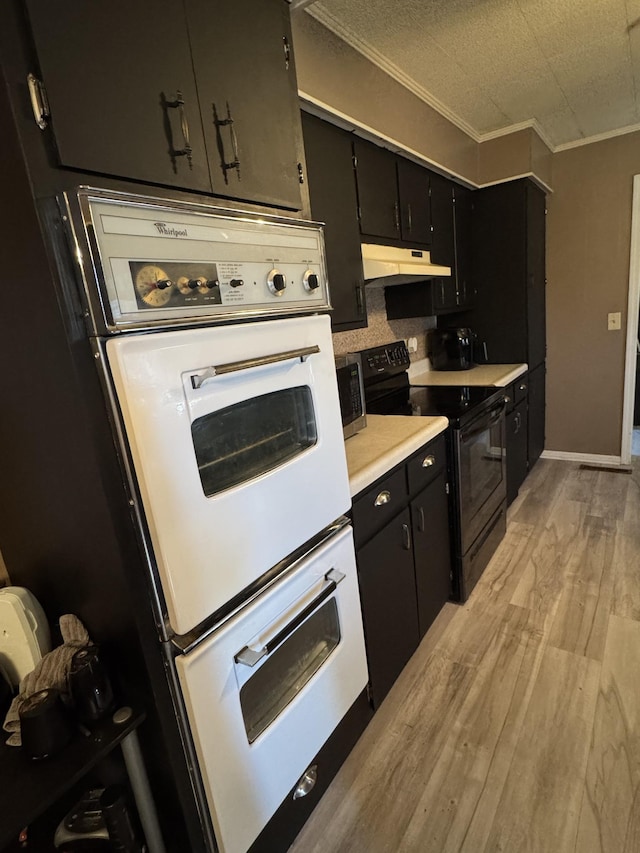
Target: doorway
<point>630,445</point>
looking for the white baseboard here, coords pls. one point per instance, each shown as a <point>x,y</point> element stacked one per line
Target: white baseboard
<point>583,458</point>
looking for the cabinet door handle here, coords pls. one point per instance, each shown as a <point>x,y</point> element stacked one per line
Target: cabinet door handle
<point>396,216</point>
<point>359,300</point>
<point>186,151</point>
<point>421,519</point>
<point>227,166</point>
<point>517,423</point>
<point>287,52</point>
<point>383,498</point>
<point>428,461</point>
<point>409,217</point>
<point>406,537</point>
<point>523,387</point>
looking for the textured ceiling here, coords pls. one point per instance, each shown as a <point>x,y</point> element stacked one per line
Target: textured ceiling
<point>570,66</point>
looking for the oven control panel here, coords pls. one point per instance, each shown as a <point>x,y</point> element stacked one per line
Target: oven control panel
<point>158,263</point>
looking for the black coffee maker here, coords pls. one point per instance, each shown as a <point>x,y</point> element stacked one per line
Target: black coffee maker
<point>451,349</point>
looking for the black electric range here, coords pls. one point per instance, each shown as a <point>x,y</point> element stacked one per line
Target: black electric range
<point>476,452</point>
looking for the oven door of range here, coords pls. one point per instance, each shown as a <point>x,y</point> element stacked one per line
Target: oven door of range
<point>264,692</point>
<point>481,471</point>
<point>236,440</point>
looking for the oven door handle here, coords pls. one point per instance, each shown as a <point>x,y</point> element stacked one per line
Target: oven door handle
<point>494,416</point>
<point>250,657</point>
<point>198,379</point>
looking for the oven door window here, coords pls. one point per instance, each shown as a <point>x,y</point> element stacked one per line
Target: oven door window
<point>287,669</point>
<point>243,441</point>
<point>481,462</point>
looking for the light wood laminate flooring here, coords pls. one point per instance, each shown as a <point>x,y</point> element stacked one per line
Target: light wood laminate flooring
<point>516,725</point>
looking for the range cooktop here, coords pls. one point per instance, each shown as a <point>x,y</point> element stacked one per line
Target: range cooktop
<point>452,401</point>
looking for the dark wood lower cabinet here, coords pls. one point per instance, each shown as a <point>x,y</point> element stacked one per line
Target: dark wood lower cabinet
<point>388,596</point>
<point>517,449</point>
<point>537,399</point>
<point>432,556</point>
<point>401,531</point>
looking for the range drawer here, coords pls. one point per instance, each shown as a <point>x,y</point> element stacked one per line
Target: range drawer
<point>424,466</point>
<point>378,505</point>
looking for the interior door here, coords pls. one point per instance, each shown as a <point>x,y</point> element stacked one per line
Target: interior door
<point>121,89</point>
<point>243,61</point>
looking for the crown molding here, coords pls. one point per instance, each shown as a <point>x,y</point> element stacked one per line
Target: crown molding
<point>599,137</point>
<point>374,56</point>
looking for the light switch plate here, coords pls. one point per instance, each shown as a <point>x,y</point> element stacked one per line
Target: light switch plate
<point>614,321</point>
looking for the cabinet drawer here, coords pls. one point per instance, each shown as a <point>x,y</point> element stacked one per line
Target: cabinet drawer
<point>425,465</point>
<point>375,507</point>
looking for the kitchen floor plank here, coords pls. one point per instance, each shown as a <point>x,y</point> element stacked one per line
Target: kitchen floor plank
<point>610,814</point>
<point>538,811</point>
<point>450,817</point>
<point>626,588</point>
<point>581,620</point>
<point>516,725</point>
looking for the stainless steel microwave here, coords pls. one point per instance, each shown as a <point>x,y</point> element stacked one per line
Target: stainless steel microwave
<point>351,392</point>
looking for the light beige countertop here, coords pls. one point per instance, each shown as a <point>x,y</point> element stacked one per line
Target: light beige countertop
<point>499,375</point>
<point>385,442</point>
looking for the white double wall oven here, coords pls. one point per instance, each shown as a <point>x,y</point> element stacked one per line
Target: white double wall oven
<point>218,361</point>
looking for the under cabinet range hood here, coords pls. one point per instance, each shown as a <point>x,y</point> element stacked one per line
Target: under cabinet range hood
<point>385,265</point>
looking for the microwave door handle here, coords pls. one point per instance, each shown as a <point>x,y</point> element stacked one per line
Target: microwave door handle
<point>494,416</point>
<point>250,657</point>
<point>198,379</point>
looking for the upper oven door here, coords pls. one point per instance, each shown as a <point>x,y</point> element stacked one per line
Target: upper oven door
<point>236,440</point>
<point>481,471</point>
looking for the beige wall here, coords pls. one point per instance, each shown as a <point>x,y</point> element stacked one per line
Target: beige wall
<point>588,242</point>
<point>337,75</point>
<point>505,155</point>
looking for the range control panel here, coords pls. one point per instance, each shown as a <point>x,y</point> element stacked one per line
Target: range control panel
<point>159,264</point>
<point>387,360</point>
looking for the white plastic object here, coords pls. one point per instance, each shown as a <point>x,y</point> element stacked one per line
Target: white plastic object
<point>24,632</point>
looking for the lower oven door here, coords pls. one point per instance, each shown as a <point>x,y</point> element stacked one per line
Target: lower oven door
<point>265,691</point>
<point>481,474</point>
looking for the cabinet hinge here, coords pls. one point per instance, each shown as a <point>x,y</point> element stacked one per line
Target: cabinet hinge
<point>39,102</point>
<point>446,488</point>
<point>300,173</point>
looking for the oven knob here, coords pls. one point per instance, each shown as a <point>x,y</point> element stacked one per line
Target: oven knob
<point>213,282</point>
<point>236,282</point>
<point>164,283</point>
<point>310,281</point>
<point>195,283</point>
<point>276,282</point>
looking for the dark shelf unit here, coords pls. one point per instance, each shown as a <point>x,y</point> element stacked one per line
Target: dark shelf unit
<point>30,787</point>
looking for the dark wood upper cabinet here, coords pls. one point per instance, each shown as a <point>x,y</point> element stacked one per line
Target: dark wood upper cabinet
<point>113,74</point>
<point>161,93</point>
<point>443,240</point>
<point>508,271</point>
<point>414,201</point>
<point>377,190</point>
<point>332,190</point>
<point>245,74</point>
<point>462,220</point>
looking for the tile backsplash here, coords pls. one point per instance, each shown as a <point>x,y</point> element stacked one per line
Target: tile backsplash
<point>382,331</point>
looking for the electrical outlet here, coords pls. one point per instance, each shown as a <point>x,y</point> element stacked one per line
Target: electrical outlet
<point>614,321</point>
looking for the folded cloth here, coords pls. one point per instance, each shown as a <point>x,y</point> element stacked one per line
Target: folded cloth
<point>51,672</point>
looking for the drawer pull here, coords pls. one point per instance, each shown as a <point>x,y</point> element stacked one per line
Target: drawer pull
<point>428,461</point>
<point>383,498</point>
<point>523,387</point>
